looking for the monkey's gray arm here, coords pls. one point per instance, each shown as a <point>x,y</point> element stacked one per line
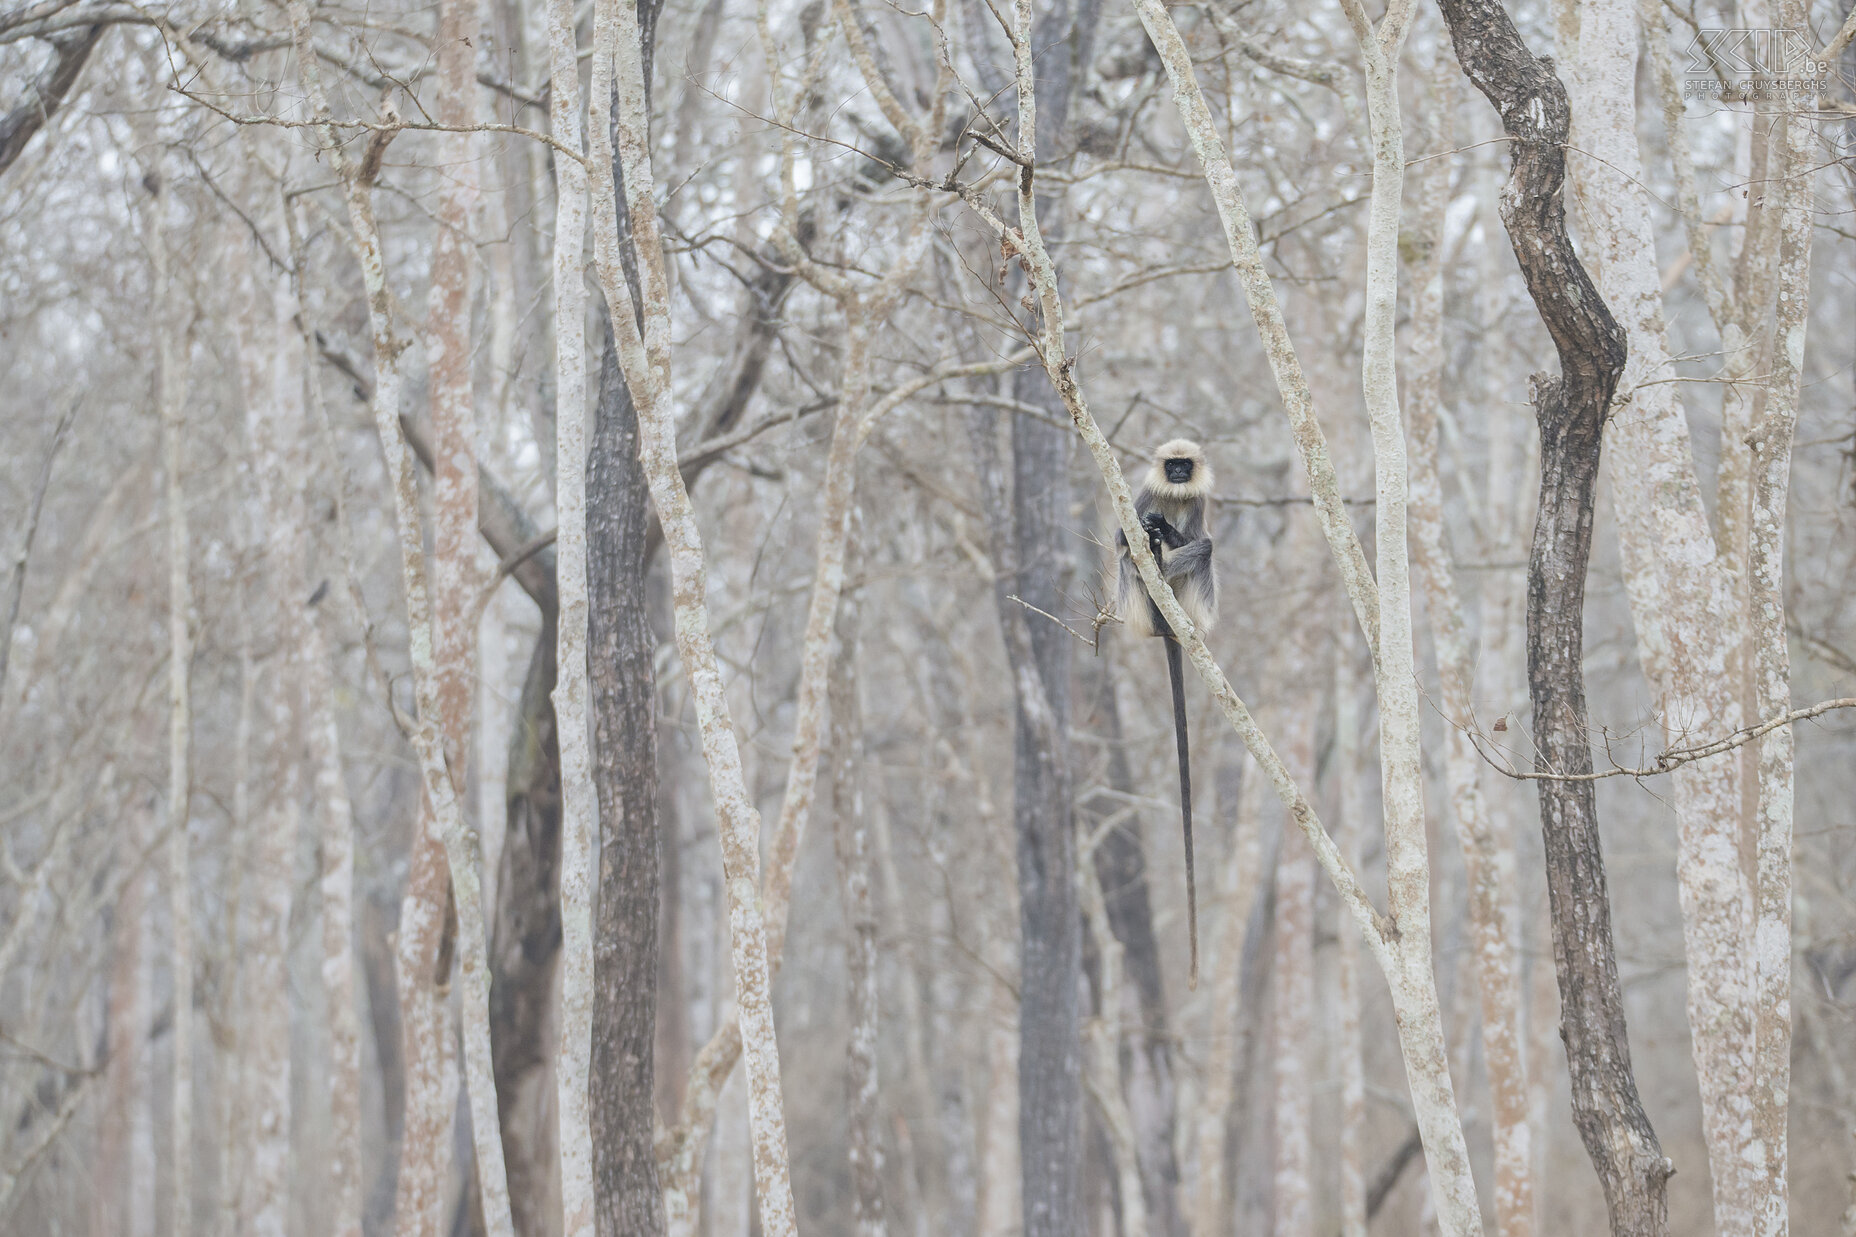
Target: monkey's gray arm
<point>1193,557</point>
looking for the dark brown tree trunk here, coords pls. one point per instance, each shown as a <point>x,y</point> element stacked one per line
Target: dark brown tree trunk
<point>627,1200</point>
<point>1571,411</point>
<point>42,98</point>
<point>1050,1094</point>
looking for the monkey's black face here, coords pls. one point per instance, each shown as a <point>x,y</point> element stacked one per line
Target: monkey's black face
<point>1179,472</point>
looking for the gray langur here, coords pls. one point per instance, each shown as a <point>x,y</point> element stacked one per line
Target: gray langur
<point>1171,507</point>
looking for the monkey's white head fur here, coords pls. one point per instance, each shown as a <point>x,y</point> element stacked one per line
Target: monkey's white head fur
<point>1197,485</point>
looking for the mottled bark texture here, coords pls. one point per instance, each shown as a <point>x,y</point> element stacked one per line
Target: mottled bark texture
<point>644,354</point>
<point>1571,411</point>
<point>1050,1095</point>
<point>851,843</point>
<point>627,1199</point>
<point>628,1202</point>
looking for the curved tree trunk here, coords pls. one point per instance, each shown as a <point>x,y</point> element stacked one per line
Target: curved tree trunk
<point>1571,410</point>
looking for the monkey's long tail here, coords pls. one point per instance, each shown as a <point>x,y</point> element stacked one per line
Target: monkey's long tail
<point>1176,671</point>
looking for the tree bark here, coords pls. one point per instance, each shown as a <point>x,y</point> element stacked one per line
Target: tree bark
<point>44,96</point>
<point>462,846</point>
<point>1292,978</point>
<point>527,941</point>
<point>171,395</point>
<point>1687,609</point>
<point>126,1018</point>
<point>1050,1099</point>
<point>644,354</point>
<point>1571,411</point>
<point>628,1202</point>
<point>851,838</point>
<point>1121,866</point>
<point>270,363</point>
<point>1486,842</point>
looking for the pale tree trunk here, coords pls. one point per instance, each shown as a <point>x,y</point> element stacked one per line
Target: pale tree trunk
<point>1771,444</point>
<point>579,803</point>
<point>1238,879</point>
<point>1405,956</point>
<point>270,364</point>
<point>424,979</point>
<point>1682,601</point>
<point>645,358</point>
<point>229,1089</point>
<point>1488,850</point>
<point>335,811</point>
<point>335,818</point>
<point>1349,723</point>
<point>866,309</point>
<point>424,1150</point>
<point>462,848</point>
<point>1292,976</point>
<point>1571,411</point>
<point>851,841</point>
<point>127,1024</point>
<point>171,395</point>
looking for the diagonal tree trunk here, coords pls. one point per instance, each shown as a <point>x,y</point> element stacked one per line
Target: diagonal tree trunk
<point>1571,410</point>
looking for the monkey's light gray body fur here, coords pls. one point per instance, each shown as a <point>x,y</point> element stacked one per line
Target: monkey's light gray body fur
<point>1185,558</point>
<point>1171,507</point>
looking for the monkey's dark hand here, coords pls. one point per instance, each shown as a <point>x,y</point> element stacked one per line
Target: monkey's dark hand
<point>1158,531</point>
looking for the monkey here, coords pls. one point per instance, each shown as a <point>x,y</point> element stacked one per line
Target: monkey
<point>1171,506</point>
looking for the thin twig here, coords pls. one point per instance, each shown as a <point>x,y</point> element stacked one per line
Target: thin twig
<point>1675,757</point>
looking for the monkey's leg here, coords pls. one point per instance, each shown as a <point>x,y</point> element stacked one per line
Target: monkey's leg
<point>1175,669</point>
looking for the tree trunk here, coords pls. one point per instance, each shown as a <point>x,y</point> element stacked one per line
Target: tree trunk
<point>1292,970</point>
<point>270,364</point>
<point>1122,867</point>
<point>644,353</point>
<point>1571,410</point>
<point>126,1023</point>
<point>1486,843</point>
<point>1050,1099</point>
<point>527,942</point>
<point>628,1202</point>
<point>171,397</point>
<point>1683,601</point>
<point>851,838</point>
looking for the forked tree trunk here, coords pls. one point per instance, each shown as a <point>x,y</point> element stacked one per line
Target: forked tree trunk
<point>1571,410</point>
